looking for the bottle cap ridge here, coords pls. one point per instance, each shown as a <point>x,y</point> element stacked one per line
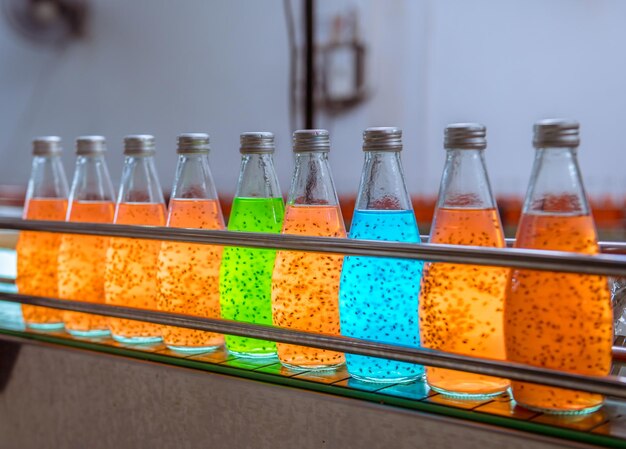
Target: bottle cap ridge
<point>139,145</point>
<point>47,146</point>
<point>382,139</point>
<point>465,136</point>
<point>190,143</point>
<point>90,145</point>
<point>258,142</point>
<point>556,133</point>
<point>311,140</point>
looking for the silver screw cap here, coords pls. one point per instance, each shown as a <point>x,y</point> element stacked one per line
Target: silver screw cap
<point>139,145</point>
<point>47,146</point>
<point>90,145</point>
<point>193,143</point>
<point>382,139</point>
<point>556,133</point>
<point>256,143</point>
<point>465,136</point>
<point>311,140</point>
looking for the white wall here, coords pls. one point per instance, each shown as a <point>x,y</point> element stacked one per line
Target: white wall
<point>510,63</point>
<point>165,67</point>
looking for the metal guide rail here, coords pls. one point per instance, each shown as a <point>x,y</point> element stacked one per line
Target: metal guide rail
<point>606,426</point>
<point>602,264</point>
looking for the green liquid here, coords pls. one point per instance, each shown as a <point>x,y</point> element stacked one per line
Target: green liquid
<point>246,273</point>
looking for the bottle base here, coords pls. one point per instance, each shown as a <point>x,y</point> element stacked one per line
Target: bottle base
<point>467,396</point>
<point>95,333</point>
<point>136,340</point>
<point>253,355</point>
<point>387,380</point>
<point>46,326</point>
<point>193,349</point>
<point>562,412</point>
<point>316,368</point>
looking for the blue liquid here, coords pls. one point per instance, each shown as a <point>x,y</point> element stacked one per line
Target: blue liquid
<point>378,297</point>
<point>10,312</point>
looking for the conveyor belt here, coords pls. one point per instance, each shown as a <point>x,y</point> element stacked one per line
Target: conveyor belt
<point>606,427</point>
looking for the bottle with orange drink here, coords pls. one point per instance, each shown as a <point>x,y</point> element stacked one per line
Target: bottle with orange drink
<point>561,321</point>
<point>131,264</point>
<point>188,273</point>
<point>461,306</point>
<point>305,286</point>
<point>81,257</point>
<point>37,252</point>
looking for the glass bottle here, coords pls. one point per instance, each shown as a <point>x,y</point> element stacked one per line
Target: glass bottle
<point>618,298</point>
<point>246,273</point>
<point>561,321</point>
<point>81,257</point>
<point>188,273</point>
<point>305,286</point>
<point>37,252</point>
<point>131,264</point>
<point>461,306</point>
<point>378,297</point>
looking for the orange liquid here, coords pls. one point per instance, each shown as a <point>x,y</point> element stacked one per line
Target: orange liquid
<point>131,269</point>
<point>81,259</point>
<point>461,306</point>
<point>189,273</point>
<point>37,254</point>
<point>558,320</point>
<point>305,286</point>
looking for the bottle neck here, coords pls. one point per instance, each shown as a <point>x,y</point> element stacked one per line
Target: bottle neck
<point>193,178</point>
<point>47,179</point>
<point>556,185</point>
<point>91,180</point>
<point>140,183</point>
<point>257,177</point>
<point>312,181</point>
<point>382,184</point>
<point>464,183</point>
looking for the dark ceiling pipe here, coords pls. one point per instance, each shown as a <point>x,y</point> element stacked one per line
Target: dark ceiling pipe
<point>309,64</point>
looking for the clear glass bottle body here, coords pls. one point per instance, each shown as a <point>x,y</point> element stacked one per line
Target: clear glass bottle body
<point>461,306</point>
<point>305,286</point>
<point>558,320</point>
<point>188,274</point>
<point>378,297</point>
<point>246,273</point>
<point>131,264</point>
<point>37,252</point>
<point>82,257</point>
<point>618,298</point>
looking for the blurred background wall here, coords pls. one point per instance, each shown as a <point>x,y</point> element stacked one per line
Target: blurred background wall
<point>165,67</point>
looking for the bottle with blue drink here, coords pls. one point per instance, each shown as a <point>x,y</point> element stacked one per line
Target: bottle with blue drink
<point>378,297</point>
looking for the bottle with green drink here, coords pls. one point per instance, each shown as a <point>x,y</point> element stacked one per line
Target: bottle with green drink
<point>246,273</point>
